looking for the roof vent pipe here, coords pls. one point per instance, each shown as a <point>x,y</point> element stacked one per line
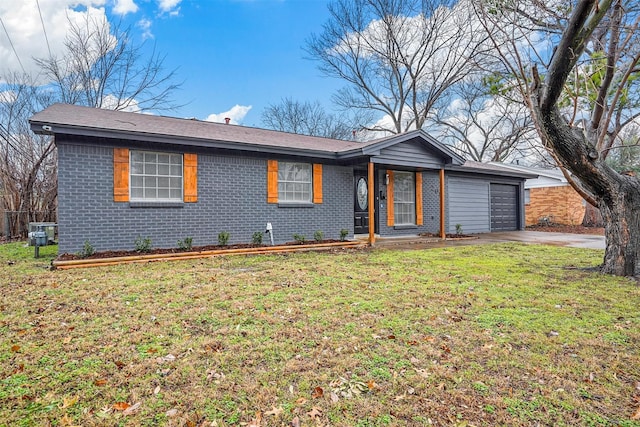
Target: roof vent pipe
<point>227,120</point>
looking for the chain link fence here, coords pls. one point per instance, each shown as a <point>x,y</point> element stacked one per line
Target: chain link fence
<point>14,225</point>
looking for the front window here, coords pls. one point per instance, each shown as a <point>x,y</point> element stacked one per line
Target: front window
<point>404,198</point>
<point>294,182</point>
<point>156,176</point>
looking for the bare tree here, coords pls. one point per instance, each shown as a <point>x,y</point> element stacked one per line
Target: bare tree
<point>596,34</point>
<point>486,127</point>
<point>27,161</point>
<point>101,68</point>
<point>310,118</point>
<point>397,57</point>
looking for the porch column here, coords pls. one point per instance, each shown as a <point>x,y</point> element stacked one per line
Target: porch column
<point>372,210</point>
<point>443,232</point>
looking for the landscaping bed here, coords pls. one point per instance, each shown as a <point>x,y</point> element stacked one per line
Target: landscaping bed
<point>98,259</point>
<point>164,251</point>
<point>563,228</point>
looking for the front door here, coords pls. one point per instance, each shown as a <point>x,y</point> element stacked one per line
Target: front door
<point>361,203</point>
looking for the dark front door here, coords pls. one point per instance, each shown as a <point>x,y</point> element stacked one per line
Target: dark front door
<point>361,203</point>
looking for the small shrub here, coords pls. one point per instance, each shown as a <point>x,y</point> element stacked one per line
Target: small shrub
<point>458,228</point>
<point>299,238</point>
<point>223,238</point>
<point>257,238</point>
<point>318,236</point>
<point>143,244</point>
<point>343,234</point>
<point>185,244</point>
<point>87,250</point>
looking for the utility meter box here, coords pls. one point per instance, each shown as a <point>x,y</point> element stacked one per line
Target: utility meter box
<point>49,230</point>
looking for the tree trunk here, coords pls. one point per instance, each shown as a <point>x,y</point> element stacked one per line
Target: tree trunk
<point>618,196</point>
<point>622,231</point>
<point>592,217</point>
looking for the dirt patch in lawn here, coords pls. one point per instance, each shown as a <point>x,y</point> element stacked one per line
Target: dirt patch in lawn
<point>160,251</point>
<point>561,228</point>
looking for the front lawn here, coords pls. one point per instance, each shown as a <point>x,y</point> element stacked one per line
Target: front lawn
<point>478,335</point>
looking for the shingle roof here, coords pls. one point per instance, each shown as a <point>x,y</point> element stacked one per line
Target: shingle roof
<point>64,118</point>
<point>493,168</point>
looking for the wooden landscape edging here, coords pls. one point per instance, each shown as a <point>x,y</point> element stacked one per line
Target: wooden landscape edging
<point>176,256</point>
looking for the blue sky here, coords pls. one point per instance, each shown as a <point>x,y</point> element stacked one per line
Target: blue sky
<point>247,53</point>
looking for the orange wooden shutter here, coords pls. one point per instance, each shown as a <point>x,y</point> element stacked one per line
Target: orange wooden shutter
<point>390,213</point>
<point>190,178</point>
<point>317,183</point>
<point>120,174</point>
<point>272,181</point>
<point>419,213</point>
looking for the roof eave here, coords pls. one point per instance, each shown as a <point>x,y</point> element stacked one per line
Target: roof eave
<point>43,128</point>
<point>514,174</point>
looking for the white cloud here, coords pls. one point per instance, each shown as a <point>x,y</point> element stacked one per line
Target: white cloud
<point>123,7</point>
<point>26,33</point>
<point>169,6</point>
<point>8,96</point>
<point>110,102</point>
<point>145,26</point>
<point>236,114</point>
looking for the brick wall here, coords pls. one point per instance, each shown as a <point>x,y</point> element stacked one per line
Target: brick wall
<point>430,206</point>
<point>561,205</point>
<point>232,197</point>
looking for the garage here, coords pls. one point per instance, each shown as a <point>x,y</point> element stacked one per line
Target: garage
<point>504,207</point>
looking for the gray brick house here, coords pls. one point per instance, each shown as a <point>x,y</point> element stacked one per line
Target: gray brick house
<point>123,175</point>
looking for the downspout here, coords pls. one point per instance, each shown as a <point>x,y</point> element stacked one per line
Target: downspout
<point>443,233</point>
<point>372,210</point>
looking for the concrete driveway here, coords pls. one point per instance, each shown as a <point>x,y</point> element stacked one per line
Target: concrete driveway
<point>531,237</point>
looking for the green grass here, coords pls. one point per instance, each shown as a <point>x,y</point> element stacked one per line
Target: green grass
<point>484,335</point>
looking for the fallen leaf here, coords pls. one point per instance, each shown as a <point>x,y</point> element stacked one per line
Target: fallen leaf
<point>119,364</point>
<point>334,397</point>
<point>152,350</point>
<point>315,412</point>
<point>371,384</point>
<point>15,348</point>
<point>156,390</point>
<point>414,360</point>
<point>171,413</point>
<point>412,342</point>
<point>19,369</point>
<point>295,422</point>
<point>317,393</point>
<point>167,358</point>
<point>100,382</point>
<point>132,409</point>
<point>69,401</point>
<point>275,412</point>
<point>66,421</point>
<point>120,406</point>
<point>391,337</point>
<point>422,372</point>
<point>67,339</point>
<point>636,416</point>
<point>301,401</point>
<point>256,421</point>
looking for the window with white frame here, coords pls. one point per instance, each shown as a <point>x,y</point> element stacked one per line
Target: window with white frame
<point>404,198</point>
<point>527,196</point>
<point>156,176</point>
<point>295,182</point>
